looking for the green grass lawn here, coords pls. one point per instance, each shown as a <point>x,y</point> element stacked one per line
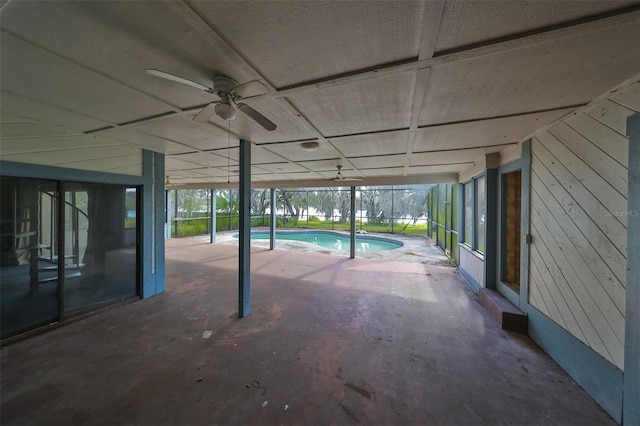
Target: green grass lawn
<point>398,228</point>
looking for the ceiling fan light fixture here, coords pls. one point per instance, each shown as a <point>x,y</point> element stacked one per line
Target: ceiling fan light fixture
<point>310,146</point>
<point>226,111</point>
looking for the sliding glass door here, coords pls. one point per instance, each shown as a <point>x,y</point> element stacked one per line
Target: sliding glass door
<point>62,256</point>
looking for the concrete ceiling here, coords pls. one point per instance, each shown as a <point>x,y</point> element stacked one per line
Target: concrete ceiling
<point>395,91</point>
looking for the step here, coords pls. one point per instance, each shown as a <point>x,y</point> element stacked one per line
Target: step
<point>502,311</point>
<point>55,267</point>
<point>52,279</point>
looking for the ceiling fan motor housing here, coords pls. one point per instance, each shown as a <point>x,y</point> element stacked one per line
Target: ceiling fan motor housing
<point>224,84</point>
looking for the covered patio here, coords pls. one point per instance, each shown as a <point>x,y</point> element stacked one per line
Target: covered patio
<point>330,340</point>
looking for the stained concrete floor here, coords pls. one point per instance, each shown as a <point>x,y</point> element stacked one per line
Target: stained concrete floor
<point>330,341</point>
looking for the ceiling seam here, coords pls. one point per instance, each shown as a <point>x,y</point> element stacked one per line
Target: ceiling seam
<point>499,117</point>
<point>586,22</point>
<point>56,107</point>
<point>468,54</point>
<point>420,88</point>
<point>505,144</point>
<point>432,14</point>
<point>504,45</point>
<point>186,11</point>
<point>310,127</point>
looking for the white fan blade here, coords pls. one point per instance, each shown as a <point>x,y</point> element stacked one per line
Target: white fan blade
<point>206,113</point>
<point>249,89</point>
<point>259,118</point>
<point>177,79</point>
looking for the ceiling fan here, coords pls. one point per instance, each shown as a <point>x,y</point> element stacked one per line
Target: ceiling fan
<point>229,92</point>
<point>340,178</point>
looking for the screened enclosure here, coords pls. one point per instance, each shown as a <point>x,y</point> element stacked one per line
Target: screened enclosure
<point>387,209</point>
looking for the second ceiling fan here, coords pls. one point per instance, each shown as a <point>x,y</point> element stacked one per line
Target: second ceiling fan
<point>229,92</point>
<point>340,178</point>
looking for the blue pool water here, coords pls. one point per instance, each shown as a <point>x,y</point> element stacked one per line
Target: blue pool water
<point>332,240</point>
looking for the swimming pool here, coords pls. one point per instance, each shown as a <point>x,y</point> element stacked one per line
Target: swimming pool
<point>332,240</point>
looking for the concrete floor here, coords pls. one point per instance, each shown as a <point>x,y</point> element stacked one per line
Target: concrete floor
<point>330,341</point>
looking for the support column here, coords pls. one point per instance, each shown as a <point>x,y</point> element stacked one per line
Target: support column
<point>631,395</point>
<point>213,196</point>
<point>174,218</point>
<point>167,219</point>
<point>152,225</point>
<point>244,227</point>
<point>273,220</point>
<point>353,223</point>
<point>491,222</point>
<point>392,213</point>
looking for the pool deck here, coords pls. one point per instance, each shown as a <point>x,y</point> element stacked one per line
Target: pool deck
<point>330,341</point>
<point>414,250</point>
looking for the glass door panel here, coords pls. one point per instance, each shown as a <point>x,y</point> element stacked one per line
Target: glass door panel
<point>28,260</point>
<point>100,246</point>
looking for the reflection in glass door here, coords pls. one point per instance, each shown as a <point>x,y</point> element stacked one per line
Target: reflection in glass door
<point>100,246</point>
<point>64,256</point>
<point>28,261</point>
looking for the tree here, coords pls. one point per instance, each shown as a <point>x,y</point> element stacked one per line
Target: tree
<point>343,203</point>
<point>260,200</point>
<point>191,201</point>
<point>293,202</point>
<point>370,200</point>
<point>227,201</point>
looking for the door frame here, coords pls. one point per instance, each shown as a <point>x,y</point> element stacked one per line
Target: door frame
<point>523,164</point>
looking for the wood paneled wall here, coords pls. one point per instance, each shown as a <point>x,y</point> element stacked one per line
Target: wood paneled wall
<point>579,213</point>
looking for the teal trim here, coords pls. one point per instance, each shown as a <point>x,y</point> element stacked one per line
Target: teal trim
<point>491,228</point>
<point>61,249</point>
<point>599,378</point>
<point>244,226</point>
<point>631,402</point>
<point>352,227</point>
<point>152,224</point>
<point>501,257</point>
<point>474,208</point>
<point>460,214</point>
<point>169,208</point>
<point>508,293</point>
<point>525,183</point>
<point>10,168</point>
<point>273,220</point>
<point>158,209</point>
<point>146,219</point>
<point>214,214</point>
